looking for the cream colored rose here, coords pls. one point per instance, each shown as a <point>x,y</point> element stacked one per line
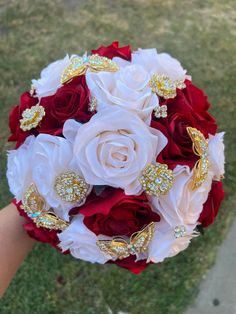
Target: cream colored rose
<point>127,88</point>
<point>40,161</point>
<point>50,77</point>
<point>164,244</point>
<point>182,205</point>
<point>81,242</point>
<point>159,63</point>
<point>113,148</point>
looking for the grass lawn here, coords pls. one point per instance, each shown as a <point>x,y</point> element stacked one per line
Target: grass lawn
<point>199,33</point>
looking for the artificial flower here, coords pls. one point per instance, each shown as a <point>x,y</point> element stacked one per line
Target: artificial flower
<point>188,108</point>
<point>127,88</point>
<point>81,242</point>
<point>50,78</point>
<point>113,148</point>
<point>117,213</point>
<point>113,50</point>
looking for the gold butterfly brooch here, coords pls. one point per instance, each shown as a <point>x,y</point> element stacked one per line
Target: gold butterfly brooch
<point>35,207</point>
<point>200,148</point>
<point>119,248</point>
<point>79,66</point>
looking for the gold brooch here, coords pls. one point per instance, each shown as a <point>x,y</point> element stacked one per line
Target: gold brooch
<point>165,87</point>
<point>200,148</point>
<point>71,187</point>
<point>31,117</point>
<point>156,179</point>
<point>94,63</point>
<point>34,206</point>
<point>119,248</point>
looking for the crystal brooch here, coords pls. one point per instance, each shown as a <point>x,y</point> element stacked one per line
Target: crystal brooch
<point>180,231</point>
<point>71,187</point>
<point>160,111</point>
<point>31,117</point>
<point>93,104</point>
<point>156,179</point>
<point>34,206</point>
<point>121,248</point>
<point>165,87</point>
<point>79,66</point>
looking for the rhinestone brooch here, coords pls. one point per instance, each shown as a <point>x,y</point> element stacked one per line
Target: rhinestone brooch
<point>180,231</point>
<point>35,207</point>
<point>93,104</point>
<point>160,111</point>
<point>119,248</point>
<point>165,87</point>
<point>200,148</point>
<point>32,117</point>
<point>95,63</point>
<point>71,187</point>
<point>156,179</point>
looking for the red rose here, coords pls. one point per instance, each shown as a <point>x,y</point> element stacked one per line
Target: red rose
<point>39,234</point>
<point>212,205</point>
<point>48,124</point>
<point>72,101</point>
<point>17,134</point>
<point>188,108</point>
<point>130,264</point>
<point>114,50</point>
<point>117,213</point>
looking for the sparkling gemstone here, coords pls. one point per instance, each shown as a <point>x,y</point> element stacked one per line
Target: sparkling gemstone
<point>156,179</point>
<point>164,86</point>
<point>71,187</point>
<point>31,117</point>
<point>79,66</point>
<point>93,104</point>
<point>180,231</point>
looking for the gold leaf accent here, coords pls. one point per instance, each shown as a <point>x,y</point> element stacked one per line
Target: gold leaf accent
<point>200,148</point>
<point>31,117</point>
<point>119,248</point>
<point>34,206</point>
<point>79,66</point>
<point>164,86</point>
<point>156,179</point>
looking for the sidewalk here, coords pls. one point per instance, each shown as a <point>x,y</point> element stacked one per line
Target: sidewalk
<point>217,293</point>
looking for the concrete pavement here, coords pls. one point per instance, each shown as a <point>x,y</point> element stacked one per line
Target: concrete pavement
<point>217,292</point>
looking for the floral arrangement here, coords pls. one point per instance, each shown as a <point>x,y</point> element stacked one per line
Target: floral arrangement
<point>117,158</point>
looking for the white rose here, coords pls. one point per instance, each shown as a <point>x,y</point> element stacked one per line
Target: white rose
<point>40,161</point>
<point>113,148</point>
<point>164,243</point>
<point>18,170</point>
<point>159,63</point>
<point>50,77</point>
<point>127,88</point>
<point>81,242</point>
<point>216,155</point>
<point>53,156</point>
<point>182,205</point>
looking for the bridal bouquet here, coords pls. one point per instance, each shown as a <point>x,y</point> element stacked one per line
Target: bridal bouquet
<point>117,158</point>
